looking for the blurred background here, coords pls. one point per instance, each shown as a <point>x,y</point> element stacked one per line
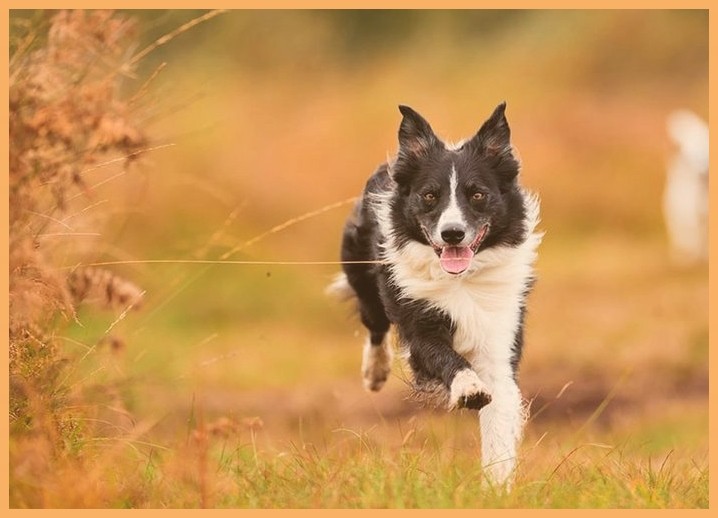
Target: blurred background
<point>272,115</point>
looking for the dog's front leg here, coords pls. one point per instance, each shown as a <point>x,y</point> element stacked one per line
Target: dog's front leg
<point>501,425</point>
<point>430,341</point>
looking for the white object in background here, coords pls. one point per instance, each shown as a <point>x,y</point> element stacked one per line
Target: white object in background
<point>685,200</point>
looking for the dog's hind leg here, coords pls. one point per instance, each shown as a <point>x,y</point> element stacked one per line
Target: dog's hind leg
<point>376,364</point>
<point>377,354</point>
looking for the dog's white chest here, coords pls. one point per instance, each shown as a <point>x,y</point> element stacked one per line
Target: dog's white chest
<point>484,304</point>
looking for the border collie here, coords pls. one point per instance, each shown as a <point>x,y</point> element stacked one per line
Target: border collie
<point>441,246</point>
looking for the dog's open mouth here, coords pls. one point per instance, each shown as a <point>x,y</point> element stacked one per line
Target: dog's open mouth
<point>457,259</point>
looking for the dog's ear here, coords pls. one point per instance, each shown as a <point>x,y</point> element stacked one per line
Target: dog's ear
<point>416,138</point>
<point>494,137</point>
<point>493,141</point>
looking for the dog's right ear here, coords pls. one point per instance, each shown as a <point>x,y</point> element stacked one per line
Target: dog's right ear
<point>494,137</point>
<point>416,138</point>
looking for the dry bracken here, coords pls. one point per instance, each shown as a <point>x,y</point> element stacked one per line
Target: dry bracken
<point>68,111</point>
<point>104,287</point>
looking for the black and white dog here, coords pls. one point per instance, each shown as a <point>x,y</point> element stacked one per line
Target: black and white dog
<point>453,234</point>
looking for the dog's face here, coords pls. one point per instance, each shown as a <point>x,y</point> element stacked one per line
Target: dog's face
<point>457,200</point>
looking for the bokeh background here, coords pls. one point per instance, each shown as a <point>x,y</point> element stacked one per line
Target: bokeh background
<point>272,115</point>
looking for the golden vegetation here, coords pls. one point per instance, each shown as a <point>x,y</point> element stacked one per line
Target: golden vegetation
<point>68,113</point>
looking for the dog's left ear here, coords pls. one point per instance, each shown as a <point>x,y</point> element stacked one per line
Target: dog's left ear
<point>494,137</point>
<point>416,138</point>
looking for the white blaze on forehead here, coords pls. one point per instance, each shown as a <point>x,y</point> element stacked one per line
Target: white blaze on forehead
<point>452,215</point>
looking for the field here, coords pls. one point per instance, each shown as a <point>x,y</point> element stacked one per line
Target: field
<point>216,384</point>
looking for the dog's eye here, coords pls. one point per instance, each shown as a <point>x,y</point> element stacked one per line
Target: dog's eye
<point>477,196</point>
<point>429,196</point>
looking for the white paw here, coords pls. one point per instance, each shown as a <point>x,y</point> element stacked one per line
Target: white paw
<point>376,365</point>
<point>468,391</point>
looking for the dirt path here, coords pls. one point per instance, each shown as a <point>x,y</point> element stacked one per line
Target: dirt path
<point>344,403</point>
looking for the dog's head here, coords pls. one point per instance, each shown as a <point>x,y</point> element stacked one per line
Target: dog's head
<point>457,200</point>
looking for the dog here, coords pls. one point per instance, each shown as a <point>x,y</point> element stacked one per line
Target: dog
<point>685,197</point>
<point>441,246</point>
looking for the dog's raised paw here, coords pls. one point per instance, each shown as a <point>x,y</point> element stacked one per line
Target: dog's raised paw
<point>468,391</point>
<point>475,401</point>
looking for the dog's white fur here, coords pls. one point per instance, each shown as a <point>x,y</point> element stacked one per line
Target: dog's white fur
<point>452,215</point>
<point>376,364</point>
<point>466,383</point>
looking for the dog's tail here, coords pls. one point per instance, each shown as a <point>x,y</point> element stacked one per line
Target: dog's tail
<point>340,288</point>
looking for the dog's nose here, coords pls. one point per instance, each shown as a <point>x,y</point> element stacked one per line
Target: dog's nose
<point>453,235</point>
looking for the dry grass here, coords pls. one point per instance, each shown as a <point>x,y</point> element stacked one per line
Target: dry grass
<point>70,114</point>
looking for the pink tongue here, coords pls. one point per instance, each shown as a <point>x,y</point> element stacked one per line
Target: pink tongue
<point>455,259</point>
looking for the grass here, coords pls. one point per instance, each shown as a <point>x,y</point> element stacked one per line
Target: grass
<point>238,386</point>
<point>427,472</point>
<point>393,465</point>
